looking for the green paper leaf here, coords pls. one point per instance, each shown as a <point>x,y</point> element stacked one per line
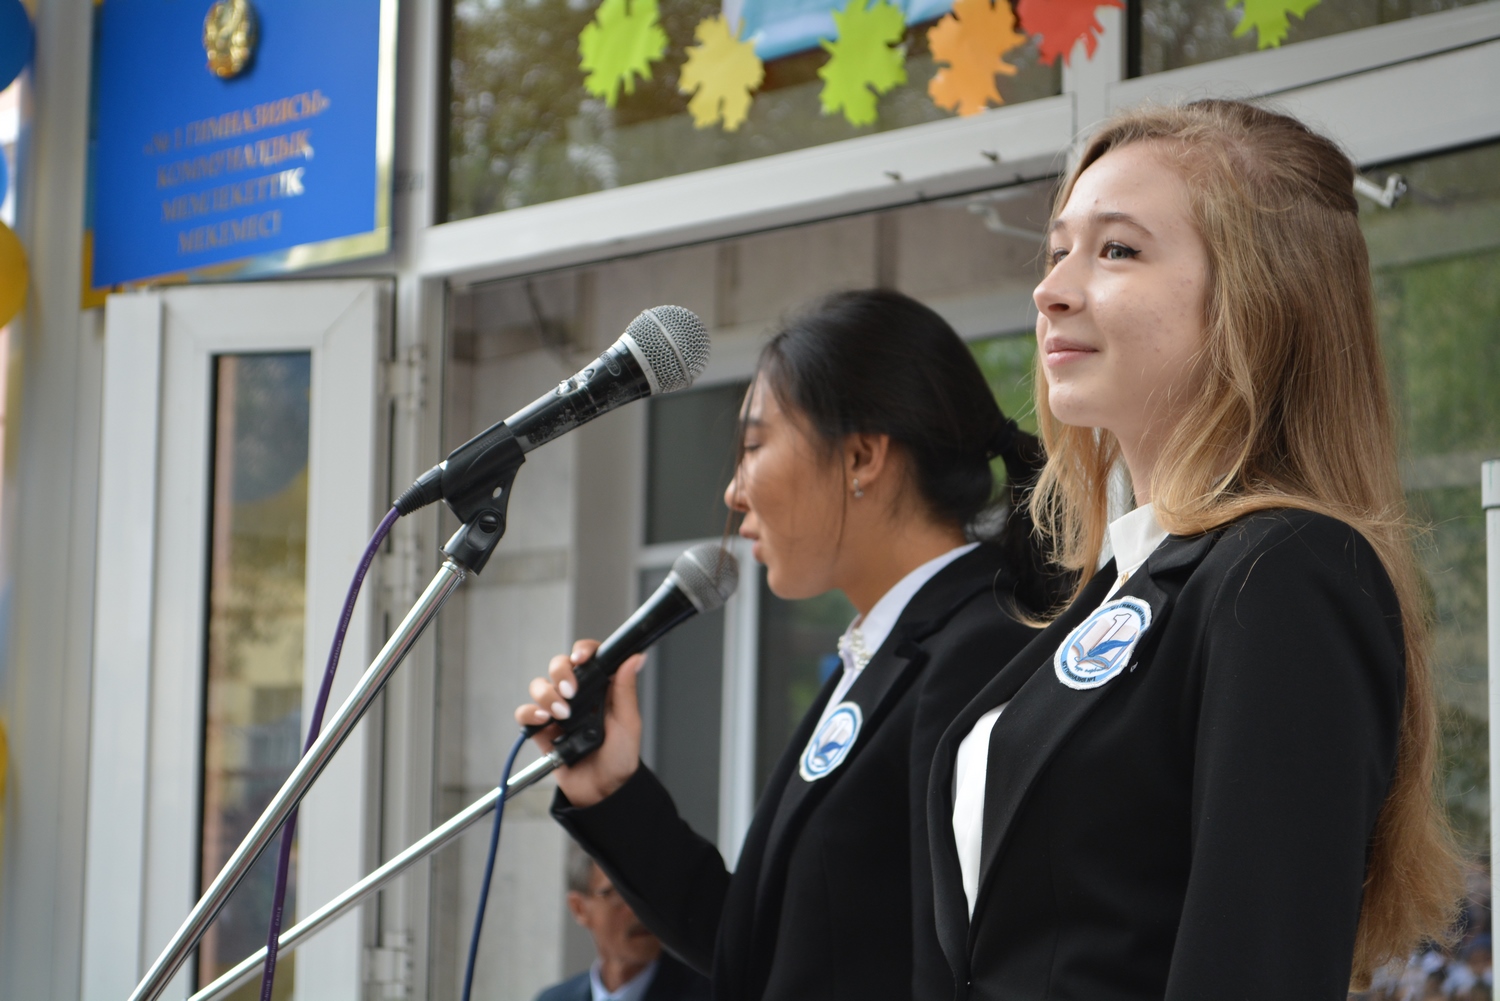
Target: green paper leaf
<point>620,44</point>
<point>865,59</point>
<point>1269,19</point>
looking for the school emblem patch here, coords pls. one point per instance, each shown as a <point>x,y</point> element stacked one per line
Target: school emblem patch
<point>1101,645</point>
<point>832,741</point>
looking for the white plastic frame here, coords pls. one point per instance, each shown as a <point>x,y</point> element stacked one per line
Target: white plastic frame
<point>1372,87</point>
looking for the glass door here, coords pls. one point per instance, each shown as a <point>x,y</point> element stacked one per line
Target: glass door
<point>238,488</point>
<point>257,605</point>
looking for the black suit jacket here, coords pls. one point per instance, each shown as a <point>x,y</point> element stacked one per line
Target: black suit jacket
<point>1198,826</point>
<point>832,895</point>
<point>673,982</point>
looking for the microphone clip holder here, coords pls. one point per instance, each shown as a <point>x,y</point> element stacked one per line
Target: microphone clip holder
<point>476,484</point>
<point>583,734</point>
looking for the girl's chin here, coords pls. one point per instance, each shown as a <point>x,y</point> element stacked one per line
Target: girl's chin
<point>1073,409</point>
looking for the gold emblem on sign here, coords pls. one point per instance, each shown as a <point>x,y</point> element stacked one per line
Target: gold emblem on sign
<point>229,37</point>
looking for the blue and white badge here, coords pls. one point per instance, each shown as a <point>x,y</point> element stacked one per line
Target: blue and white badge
<point>832,741</point>
<point>1101,646</point>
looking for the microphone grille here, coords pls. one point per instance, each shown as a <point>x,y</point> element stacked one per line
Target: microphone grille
<point>675,344</point>
<point>708,574</point>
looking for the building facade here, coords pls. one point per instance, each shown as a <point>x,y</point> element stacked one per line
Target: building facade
<point>192,471</point>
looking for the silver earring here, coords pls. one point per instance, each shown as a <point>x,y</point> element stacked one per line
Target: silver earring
<point>857,491</point>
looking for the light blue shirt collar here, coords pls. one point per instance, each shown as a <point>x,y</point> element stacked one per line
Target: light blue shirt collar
<point>630,990</point>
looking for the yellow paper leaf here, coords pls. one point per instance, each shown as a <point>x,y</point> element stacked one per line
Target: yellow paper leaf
<point>721,73</point>
<point>971,41</point>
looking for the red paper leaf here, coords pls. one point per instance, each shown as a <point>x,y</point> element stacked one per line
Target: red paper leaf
<point>1061,23</point>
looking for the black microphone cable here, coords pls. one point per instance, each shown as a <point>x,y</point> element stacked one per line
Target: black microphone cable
<point>701,580</point>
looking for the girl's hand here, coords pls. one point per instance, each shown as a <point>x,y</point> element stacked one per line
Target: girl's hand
<point>604,771</point>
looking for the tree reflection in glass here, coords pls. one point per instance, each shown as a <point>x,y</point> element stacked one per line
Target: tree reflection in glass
<point>522,130</point>
<point>257,597</point>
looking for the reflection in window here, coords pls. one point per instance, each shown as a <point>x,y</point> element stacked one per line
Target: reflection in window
<point>691,442</point>
<point>1008,364</point>
<point>682,696</point>
<point>256,605</point>
<point>1174,33</point>
<point>1436,258</point>
<point>522,129</point>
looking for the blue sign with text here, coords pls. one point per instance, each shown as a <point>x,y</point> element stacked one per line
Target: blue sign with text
<point>232,129</point>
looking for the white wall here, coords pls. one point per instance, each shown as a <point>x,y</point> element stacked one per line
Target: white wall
<point>51,467</point>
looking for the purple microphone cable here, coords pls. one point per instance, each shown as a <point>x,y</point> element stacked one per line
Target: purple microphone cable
<point>288,832</point>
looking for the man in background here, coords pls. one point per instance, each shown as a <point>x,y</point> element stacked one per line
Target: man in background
<point>631,965</point>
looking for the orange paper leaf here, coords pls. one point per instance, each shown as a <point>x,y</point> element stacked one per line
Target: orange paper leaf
<point>971,41</point>
<point>1061,23</point>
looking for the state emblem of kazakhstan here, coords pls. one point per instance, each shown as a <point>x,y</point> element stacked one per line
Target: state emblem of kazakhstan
<point>229,33</point>
<point>831,743</point>
<point>1101,646</point>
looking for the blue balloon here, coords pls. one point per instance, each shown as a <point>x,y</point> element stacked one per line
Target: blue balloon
<point>15,41</point>
<point>4,176</point>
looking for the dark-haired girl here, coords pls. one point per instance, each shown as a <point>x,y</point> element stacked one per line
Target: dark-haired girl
<point>866,440</point>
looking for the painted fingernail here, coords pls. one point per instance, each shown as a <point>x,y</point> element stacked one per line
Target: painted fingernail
<point>561,710</point>
<point>542,715</point>
<point>567,689</point>
<point>578,657</point>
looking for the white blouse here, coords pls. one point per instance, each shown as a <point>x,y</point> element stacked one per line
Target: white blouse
<point>1133,537</point>
<point>866,634</point>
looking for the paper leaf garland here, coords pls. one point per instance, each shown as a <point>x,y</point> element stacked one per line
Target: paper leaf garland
<point>620,44</point>
<point>971,41</point>
<point>721,73</point>
<point>1061,23</point>
<point>1269,19</point>
<point>865,59</point>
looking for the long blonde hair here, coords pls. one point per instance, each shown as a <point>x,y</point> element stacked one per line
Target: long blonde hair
<point>1294,408</point>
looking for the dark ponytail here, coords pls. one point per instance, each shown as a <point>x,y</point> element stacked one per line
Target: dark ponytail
<point>879,362</point>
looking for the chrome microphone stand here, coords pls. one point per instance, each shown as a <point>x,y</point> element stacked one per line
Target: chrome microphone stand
<point>340,905</point>
<point>482,508</point>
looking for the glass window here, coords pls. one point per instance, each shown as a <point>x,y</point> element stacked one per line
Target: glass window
<point>692,444</point>
<point>1174,33</point>
<point>1007,363</point>
<point>523,130</point>
<point>681,703</point>
<point>257,598</point>
<point>1436,258</point>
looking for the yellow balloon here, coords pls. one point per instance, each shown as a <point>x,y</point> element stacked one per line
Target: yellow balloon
<point>13,274</point>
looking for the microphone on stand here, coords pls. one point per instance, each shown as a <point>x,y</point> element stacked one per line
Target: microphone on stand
<point>663,350</point>
<point>702,579</point>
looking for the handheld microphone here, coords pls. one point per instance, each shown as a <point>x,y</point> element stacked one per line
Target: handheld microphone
<point>701,580</point>
<point>663,350</point>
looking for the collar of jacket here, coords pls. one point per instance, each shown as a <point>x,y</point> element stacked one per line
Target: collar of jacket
<point>1042,714</point>
<point>789,800</point>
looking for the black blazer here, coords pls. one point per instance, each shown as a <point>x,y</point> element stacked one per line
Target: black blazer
<point>672,982</point>
<point>832,895</point>
<point>1198,826</point>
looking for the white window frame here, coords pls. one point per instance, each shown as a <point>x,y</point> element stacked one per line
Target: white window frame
<point>144,819</point>
<point>1372,87</point>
